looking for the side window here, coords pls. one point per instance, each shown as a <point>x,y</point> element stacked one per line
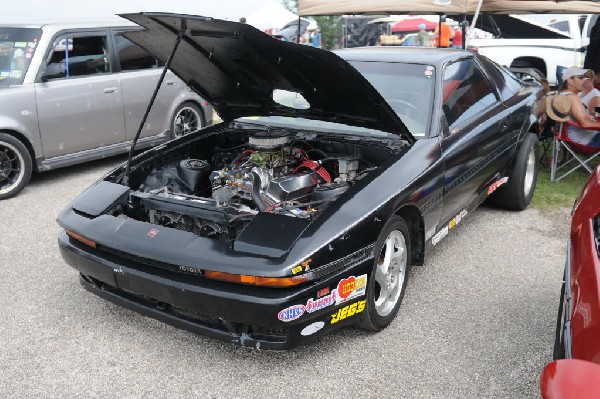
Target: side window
<point>467,93</point>
<point>132,57</point>
<point>78,56</point>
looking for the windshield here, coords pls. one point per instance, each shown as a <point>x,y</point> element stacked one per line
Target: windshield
<point>407,88</point>
<point>17,46</point>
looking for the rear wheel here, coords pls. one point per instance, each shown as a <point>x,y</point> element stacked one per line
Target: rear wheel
<point>518,192</point>
<point>15,166</point>
<point>389,276</point>
<point>187,119</point>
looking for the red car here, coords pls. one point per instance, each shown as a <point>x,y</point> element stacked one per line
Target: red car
<point>578,326</point>
<point>570,378</point>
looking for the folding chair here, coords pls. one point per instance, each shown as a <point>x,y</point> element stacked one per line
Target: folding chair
<point>546,139</point>
<point>581,154</point>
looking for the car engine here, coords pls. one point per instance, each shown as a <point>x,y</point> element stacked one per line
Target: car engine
<point>270,173</point>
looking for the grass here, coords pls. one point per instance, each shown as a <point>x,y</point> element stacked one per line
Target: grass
<point>550,195</point>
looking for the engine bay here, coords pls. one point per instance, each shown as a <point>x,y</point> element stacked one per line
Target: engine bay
<point>214,186</point>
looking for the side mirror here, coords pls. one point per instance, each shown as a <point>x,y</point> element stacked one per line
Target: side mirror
<point>54,71</point>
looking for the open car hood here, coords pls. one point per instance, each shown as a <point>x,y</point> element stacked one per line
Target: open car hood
<point>236,67</point>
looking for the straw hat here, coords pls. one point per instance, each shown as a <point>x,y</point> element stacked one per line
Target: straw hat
<point>558,107</point>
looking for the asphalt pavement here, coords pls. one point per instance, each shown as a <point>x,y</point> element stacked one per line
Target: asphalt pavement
<point>477,321</point>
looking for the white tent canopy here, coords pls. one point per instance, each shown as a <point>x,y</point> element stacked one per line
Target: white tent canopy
<point>340,7</point>
<point>273,15</point>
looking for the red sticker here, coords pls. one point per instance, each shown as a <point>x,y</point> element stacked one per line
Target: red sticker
<point>346,287</point>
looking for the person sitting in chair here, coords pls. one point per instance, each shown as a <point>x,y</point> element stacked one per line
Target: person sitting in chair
<point>565,106</point>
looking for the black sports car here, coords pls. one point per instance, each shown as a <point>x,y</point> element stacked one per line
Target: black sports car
<point>329,177</point>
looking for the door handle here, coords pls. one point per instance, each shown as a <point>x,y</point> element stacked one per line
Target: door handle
<point>110,90</point>
<point>170,82</point>
<point>503,125</point>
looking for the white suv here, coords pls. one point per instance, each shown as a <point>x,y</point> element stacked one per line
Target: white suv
<point>76,91</point>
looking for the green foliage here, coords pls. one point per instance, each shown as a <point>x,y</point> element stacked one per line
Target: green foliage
<point>550,195</point>
<point>331,31</point>
<point>290,5</point>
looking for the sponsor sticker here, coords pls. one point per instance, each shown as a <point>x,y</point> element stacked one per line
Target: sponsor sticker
<point>348,311</point>
<point>351,287</point>
<point>304,266</point>
<point>496,184</point>
<point>291,313</point>
<point>439,235</point>
<point>312,328</point>
<point>451,224</point>
<point>152,233</point>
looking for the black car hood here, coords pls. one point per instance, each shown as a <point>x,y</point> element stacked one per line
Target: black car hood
<point>236,67</point>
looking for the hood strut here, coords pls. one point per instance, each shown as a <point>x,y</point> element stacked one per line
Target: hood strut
<point>182,29</point>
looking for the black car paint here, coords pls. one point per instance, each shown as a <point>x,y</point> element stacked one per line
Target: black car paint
<point>429,183</point>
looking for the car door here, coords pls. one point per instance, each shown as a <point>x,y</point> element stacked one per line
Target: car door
<point>476,138</point>
<point>139,74</point>
<point>79,102</point>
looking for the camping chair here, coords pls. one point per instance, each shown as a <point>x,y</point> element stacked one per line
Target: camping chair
<point>546,139</point>
<point>581,155</point>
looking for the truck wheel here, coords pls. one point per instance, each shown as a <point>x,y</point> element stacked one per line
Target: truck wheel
<point>15,166</point>
<point>187,119</point>
<point>517,193</point>
<point>387,283</point>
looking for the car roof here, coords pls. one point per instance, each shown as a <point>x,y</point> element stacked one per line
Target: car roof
<point>57,23</point>
<point>415,55</point>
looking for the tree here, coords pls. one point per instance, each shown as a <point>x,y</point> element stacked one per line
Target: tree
<point>331,31</point>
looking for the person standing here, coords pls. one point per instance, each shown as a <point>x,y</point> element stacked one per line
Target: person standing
<point>316,38</point>
<point>443,33</point>
<point>457,40</point>
<point>422,37</point>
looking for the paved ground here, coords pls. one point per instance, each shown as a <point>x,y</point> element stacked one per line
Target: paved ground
<point>477,321</point>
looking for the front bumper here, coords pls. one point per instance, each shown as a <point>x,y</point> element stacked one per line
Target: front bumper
<point>244,315</point>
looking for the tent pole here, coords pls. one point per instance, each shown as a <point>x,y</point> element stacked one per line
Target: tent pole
<point>473,24</point>
<point>298,35</point>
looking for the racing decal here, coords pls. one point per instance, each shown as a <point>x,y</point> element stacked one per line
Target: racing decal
<point>152,233</point>
<point>496,184</point>
<point>322,292</point>
<point>451,224</point>
<point>312,328</point>
<point>439,235</point>
<point>351,287</point>
<point>291,313</point>
<point>348,311</point>
<point>314,305</point>
<point>304,266</point>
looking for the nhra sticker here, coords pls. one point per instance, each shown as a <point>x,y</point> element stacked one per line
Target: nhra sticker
<point>348,311</point>
<point>497,184</point>
<point>291,313</point>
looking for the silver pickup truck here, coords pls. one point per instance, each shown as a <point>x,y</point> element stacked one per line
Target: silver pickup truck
<point>71,92</point>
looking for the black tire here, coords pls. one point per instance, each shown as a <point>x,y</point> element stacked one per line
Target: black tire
<point>187,118</point>
<point>15,166</point>
<point>517,193</point>
<point>382,306</point>
<point>559,345</point>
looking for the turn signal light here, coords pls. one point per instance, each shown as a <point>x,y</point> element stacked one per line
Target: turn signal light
<point>256,280</point>
<point>82,239</point>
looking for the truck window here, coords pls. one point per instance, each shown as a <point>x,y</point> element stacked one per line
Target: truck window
<point>132,57</point>
<point>79,56</point>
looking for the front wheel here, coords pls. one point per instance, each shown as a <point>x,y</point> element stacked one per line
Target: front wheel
<point>517,194</point>
<point>187,119</point>
<point>15,166</point>
<point>389,276</point>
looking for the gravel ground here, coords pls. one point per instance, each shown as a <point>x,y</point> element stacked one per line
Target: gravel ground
<point>477,321</point>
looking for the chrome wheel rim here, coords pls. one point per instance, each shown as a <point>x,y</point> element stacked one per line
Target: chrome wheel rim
<point>390,272</point>
<point>187,121</point>
<point>12,168</point>
<point>529,173</point>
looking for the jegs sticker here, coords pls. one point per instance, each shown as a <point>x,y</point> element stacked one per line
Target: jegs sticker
<point>348,311</point>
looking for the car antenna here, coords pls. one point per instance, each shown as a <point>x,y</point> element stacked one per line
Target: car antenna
<point>182,29</point>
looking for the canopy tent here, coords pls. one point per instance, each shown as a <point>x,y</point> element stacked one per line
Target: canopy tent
<point>412,25</point>
<point>272,15</point>
<point>451,7</point>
